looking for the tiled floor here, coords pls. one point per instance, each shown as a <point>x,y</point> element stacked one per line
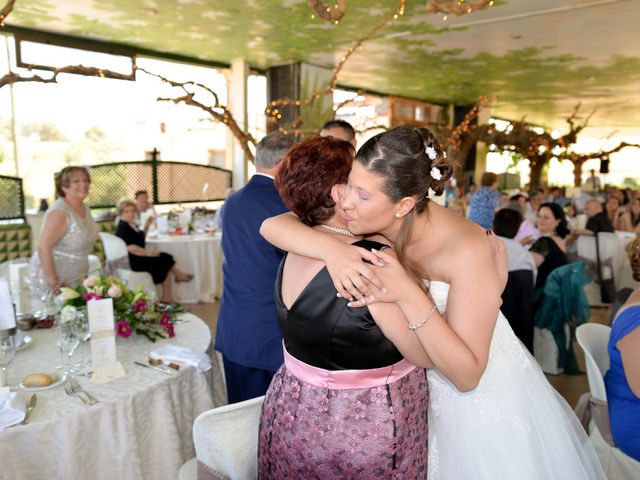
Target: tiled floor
<point>569,386</point>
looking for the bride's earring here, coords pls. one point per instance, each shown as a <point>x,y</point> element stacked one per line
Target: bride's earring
<point>397,214</point>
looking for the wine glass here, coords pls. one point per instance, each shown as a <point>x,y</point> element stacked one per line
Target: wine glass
<point>84,334</point>
<point>7,352</point>
<point>67,340</point>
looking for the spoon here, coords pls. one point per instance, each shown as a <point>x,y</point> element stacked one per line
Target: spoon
<point>31,404</point>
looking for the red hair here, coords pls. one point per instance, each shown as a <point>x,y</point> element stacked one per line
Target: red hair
<point>309,171</point>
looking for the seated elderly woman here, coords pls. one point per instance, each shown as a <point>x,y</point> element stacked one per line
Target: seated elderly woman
<point>623,378</point>
<point>158,264</point>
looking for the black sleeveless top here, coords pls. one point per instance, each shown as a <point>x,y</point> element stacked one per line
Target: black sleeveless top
<point>322,331</point>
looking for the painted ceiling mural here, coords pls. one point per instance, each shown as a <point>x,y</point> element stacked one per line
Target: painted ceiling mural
<point>538,57</point>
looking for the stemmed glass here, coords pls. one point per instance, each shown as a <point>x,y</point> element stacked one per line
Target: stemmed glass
<point>67,340</point>
<point>84,333</point>
<point>7,352</point>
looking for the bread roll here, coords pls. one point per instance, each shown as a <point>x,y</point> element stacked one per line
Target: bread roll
<point>38,380</point>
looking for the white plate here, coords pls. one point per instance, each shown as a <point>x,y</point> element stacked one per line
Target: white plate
<point>59,380</point>
<point>25,342</point>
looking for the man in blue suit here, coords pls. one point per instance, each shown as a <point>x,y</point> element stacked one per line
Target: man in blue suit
<point>248,335</point>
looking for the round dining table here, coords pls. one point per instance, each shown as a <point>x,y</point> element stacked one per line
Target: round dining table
<point>199,255</point>
<point>140,429</point>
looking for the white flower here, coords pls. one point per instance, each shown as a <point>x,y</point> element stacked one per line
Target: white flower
<point>431,193</point>
<point>68,313</point>
<point>90,281</point>
<point>431,153</point>
<point>435,173</point>
<point>114,291</point>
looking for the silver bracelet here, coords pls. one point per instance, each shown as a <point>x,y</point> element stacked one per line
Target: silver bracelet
<point>427,318</point>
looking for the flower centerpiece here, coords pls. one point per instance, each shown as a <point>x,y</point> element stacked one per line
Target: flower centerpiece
<point>134,311</point>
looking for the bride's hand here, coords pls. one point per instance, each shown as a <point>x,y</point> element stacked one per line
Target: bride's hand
<point>352,278</point>
<point>393,274</point>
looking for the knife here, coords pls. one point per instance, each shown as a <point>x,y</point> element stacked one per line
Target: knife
<point>152,368</point>
<point>31,404</point>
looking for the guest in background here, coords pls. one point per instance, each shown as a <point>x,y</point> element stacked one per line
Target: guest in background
<point>557,196</point>
<point>158,264</point>
<point>459,208</point>
<point>597,221</point>
<point>248,335</point>
<point>527,232</point>
<point>485,201</point>
<point>68,233</point>
<point>622,380</point>
<point>341,130</point>
<point>44,205</point>
<point>550,250</point>
<point>517,297</point>
<point>593,182</point>
<point>535,200</point>
<point>631,218</point>
<point>146,211</point>
<point>615,212</point>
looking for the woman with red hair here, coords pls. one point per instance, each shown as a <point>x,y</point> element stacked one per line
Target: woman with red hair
<point>348,401</point>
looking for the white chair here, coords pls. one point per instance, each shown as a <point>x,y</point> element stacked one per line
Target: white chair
<point>115,250</point>
<point>226,442</point>
<point>594,340</point>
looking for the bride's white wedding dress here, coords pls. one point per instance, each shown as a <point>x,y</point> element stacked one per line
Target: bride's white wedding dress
<point>514,425</point>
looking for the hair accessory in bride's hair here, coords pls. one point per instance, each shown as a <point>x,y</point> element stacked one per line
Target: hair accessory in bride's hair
<point>431,153</point>
<point>436,174</point>
<point>430,193</point>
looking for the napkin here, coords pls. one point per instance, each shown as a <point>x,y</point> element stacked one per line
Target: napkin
<point>12,409</point>
<point>183,356</point>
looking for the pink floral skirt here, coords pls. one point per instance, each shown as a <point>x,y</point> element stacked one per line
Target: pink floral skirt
<point>326,430</point>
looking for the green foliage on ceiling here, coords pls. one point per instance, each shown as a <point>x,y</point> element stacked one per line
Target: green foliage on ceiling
<point>404,59</point>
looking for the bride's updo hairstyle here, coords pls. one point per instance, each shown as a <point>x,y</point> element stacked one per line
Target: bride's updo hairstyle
<point>411,163</point>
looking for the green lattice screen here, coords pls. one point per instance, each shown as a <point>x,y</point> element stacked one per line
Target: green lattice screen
<point>11,198</point>
<point>166,182</point>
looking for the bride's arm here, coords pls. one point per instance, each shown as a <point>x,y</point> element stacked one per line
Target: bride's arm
<point>344,262</point>
<point>458,346</point>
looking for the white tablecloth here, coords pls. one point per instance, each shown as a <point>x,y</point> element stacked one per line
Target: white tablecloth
<point>200,255</point>
<point>141,429</point>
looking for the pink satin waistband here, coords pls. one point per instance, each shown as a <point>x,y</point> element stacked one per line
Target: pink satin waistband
<point>346,379</point>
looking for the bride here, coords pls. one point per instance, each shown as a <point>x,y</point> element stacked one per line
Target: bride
<point>492,413</point>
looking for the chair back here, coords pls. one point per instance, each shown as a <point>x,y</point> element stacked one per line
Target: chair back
<point>594,340</point>
<point>226,439</point>
<point>609,246</point>
<point>114,247</point>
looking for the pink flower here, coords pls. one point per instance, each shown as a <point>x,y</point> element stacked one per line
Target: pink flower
<point>123,329</point>
<point>90,281</point>
<point>168,326</point>
<point>140,306</point>
<point>114,291</point>
<point>165,318</point>
<point>91,296</point>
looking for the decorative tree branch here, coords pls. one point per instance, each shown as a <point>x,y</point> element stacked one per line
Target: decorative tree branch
<point>273,108</point>
<point>217,110</point>
<point>334,14</point>
<point>13,77</point>
<point>457,7</point>
<point>6,10</point>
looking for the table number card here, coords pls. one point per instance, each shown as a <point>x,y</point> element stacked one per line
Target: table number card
<point>103,340</point>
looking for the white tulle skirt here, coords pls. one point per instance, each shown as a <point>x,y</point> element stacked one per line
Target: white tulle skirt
<point>514,425</point>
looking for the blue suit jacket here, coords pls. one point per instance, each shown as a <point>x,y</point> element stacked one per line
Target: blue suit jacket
<point>247,331</point>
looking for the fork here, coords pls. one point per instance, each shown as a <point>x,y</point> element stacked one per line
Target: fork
<point>69,391</point>
<point>76,388</point>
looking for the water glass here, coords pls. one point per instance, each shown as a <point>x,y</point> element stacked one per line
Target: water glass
<point>84,334</point>
<point>67,340</point>
<point>7,352</point>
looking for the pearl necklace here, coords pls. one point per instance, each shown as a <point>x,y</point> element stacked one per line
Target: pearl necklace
<point>338,230</point>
